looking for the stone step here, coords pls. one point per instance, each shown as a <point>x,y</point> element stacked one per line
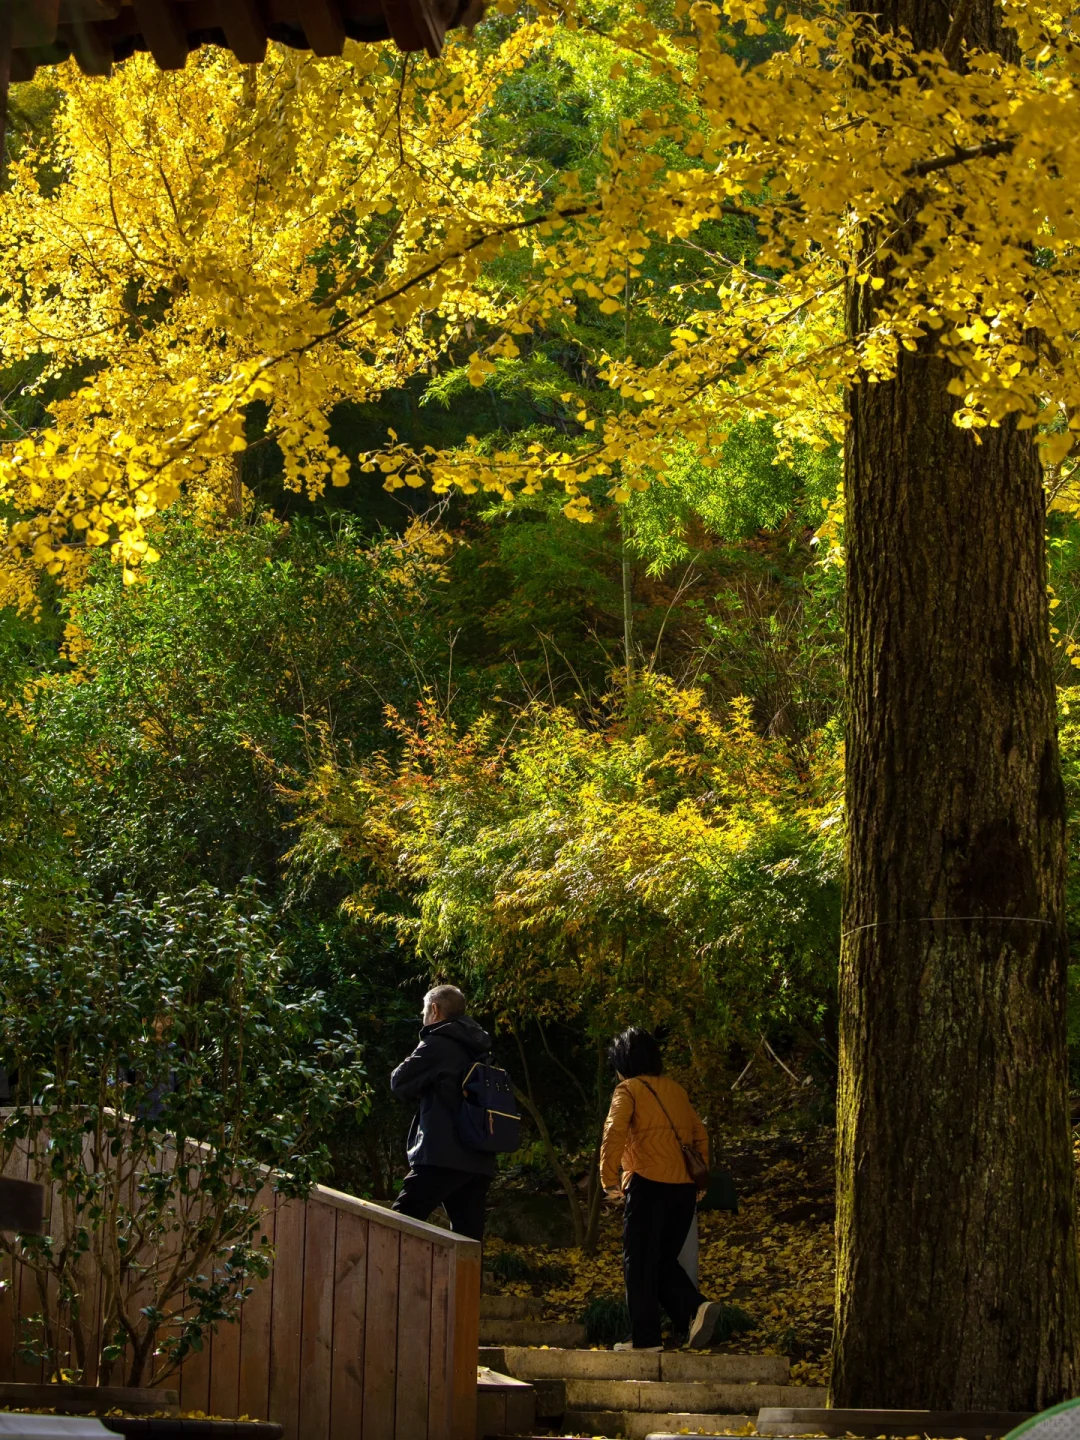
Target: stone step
<point>672,1365</point>
<point>510,1307</point>
<point>955,1424</point>
<point>511,1333</point>
<point>713,1434</point>
<point>640,1424</point>
<point>560,1397</point>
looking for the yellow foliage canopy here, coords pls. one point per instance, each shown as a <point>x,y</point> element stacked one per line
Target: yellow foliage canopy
<point>293,233</point>
<point>843,147</point>
<point>317,229</point>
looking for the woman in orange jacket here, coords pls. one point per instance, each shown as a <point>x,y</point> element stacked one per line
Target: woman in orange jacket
<point>649,1123</point>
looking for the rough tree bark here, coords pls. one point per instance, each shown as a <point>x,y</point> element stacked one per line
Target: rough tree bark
<point>956,1242</point>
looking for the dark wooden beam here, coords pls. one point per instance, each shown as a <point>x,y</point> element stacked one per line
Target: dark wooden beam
<point>414,25</point>
<point>33,23</point>
<point>323,27</point>
<point>163,31</point>
<point>244,30</point>
<point>92,51</point>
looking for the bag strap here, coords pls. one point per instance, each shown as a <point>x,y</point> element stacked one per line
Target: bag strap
<point>663,1107</point>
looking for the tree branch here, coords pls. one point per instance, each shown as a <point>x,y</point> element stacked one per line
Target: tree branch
<point>961,156</point>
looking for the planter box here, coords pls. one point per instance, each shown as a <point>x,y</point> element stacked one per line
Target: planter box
<point>87,1399</point>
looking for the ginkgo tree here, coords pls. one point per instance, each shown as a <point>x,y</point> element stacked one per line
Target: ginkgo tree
<point>914,289</point>
<point>182,245</point>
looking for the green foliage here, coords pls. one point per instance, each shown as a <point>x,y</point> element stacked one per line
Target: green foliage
<point>584,840</point>
<point>140,1036</point>
<point>606,1320</point>
<point>508,1265</point>
<point>663,866</point>
<point>752,487</point>
<point>200,691</point>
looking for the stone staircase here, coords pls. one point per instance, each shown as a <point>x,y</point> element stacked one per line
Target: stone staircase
<point>622,1394</point>
<point>515,1320</point>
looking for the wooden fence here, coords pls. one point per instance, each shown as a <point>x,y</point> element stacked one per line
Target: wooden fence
<point>366,1329</point>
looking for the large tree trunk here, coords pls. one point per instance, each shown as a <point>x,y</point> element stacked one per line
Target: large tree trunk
<point>956,1245</point>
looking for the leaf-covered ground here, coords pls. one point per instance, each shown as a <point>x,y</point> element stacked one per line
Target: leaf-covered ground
<point>774,1259</point>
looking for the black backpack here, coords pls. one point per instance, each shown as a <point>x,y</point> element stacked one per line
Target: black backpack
<point>488,1119</point>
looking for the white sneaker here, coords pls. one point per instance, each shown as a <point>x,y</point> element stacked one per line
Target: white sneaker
<point>703,1324</point>
<point>640,1349</point>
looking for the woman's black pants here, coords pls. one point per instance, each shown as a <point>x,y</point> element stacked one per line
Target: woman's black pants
<point>656,1222</point>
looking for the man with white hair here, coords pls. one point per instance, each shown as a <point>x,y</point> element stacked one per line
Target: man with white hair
<point>443,1171</point>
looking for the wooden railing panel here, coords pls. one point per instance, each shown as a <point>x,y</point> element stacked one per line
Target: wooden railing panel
<point>350,1327</point>
<point>317,1321</point>
<point>465,1310</point>
<point>413,1338</point>
<point>225,1370</point>
<point>440,1348</point>
<point>381,1353</point>
<point>287,1316</point>
<point>366,1328</point>
<point>255,1322</point>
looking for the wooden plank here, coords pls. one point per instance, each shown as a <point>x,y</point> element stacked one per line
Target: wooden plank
<point>350,1303</point>
<point>380,1333</point>
<point>194,1378</point>
<point>164,32</point>
<point>285,1321</point>
<point>16,1167</point>
<point>225,1363</point>
<point>7,1317</point>
<point>192,1383</point>
<point>33,23</point>
<point>28,1302</point>
<point>27,1295</point>
<point>439,1346</point>
<point>389,1219</point>
<point>465,1312</point>
<point>317,1321</point>
<point>225,1371</point>
<point>244,30</point>
<point>254,1396</point>
<point>413,1338</point>
<point>90,46</point>
<point>90,1300</point>
<point>323,28</point>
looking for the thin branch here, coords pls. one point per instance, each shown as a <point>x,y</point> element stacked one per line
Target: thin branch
<point>961,156</point>
<point>806,1078</point>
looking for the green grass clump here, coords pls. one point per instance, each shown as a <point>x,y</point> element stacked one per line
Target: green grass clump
<point>606,1320</point>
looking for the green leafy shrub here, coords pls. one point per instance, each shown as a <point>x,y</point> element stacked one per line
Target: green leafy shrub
<point>161,1058</point>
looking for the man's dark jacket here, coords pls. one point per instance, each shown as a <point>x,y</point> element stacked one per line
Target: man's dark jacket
<point>433,1074</point>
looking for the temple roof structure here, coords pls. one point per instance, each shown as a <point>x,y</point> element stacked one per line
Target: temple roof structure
<point>99,32</point>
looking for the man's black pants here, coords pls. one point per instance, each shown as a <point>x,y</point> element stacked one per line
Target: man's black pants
<point>462,1194</point>
<point>656,1222</point>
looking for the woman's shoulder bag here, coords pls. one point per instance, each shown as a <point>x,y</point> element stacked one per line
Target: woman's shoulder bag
<point>696,1168</point>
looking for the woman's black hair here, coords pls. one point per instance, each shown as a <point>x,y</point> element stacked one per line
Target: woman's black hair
<point>635,1052</point>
